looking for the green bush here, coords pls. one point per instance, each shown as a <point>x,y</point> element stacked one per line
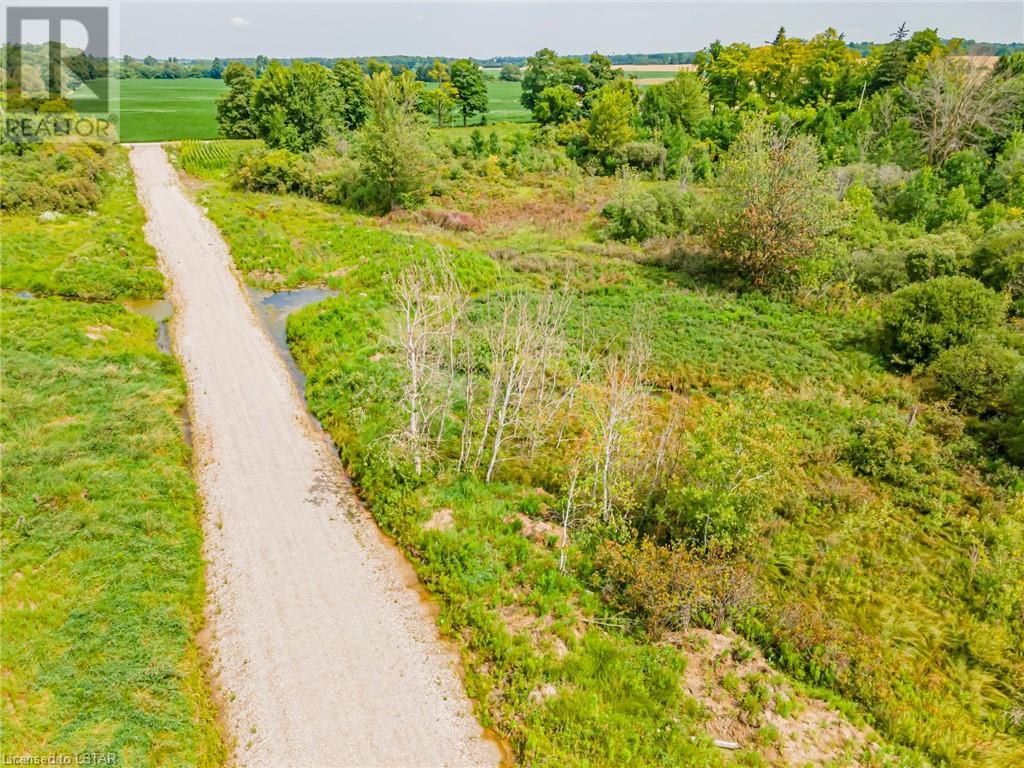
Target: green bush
<point>937,255</point>
<point>892,451</point>
<point>998,261</point>
<point>975,376</point>
<point>1009,429</point>
<point>639,215</point>
<point>923,319</point>
<point>272,170</point>
<point>53,177</point>
<point>878,271</point>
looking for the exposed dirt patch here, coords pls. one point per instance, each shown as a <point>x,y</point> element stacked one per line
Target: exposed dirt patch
<point>442,520</point>
<point>749,703</point>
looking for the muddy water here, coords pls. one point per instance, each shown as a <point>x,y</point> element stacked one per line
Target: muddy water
<point>159,311</point>
<point>274,307</point>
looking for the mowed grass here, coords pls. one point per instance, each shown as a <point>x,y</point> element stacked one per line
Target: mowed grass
<point>164,110</point>
<point>102,568</point>
<point>99,254</point>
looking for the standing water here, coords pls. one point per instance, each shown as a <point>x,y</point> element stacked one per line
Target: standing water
<point>159,311</point>
<point>274,307</point>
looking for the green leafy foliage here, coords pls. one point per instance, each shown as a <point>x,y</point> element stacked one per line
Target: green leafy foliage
<point>923,319</point>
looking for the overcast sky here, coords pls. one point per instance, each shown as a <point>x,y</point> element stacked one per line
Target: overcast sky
<point>482,29</point>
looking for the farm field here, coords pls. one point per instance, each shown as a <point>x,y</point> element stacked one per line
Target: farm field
<point>166,110</point>
<point>169,110</point>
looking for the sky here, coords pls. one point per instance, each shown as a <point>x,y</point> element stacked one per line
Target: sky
<point>484,29</point>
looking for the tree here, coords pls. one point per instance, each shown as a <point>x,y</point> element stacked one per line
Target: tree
<point>351,93</point>
<point>681,101</point>
<point>390,145</point>
<point>295,107</point>
<point>542,72</point>
<point>770,204</point>
<point>958,105</point>
<point>611,119</point>
<point>471,91</point>
<point>510,73</point>
<point>234,108</point>
<point>557,104</point>
<point>441,100</point>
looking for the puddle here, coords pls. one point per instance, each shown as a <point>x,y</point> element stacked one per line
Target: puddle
<point>274,307</point>
<point>159,311</point>
<point>25,295</point>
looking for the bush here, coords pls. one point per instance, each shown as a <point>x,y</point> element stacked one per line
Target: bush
<point>937,256</point>
<point>771,204</point>
<point>671,588</point>
<point>53,177</point>
<point>639,215</point>
<point>975,376</point>
<point>998,261</point>
<point>879,271</point>
<point>647,156</point>
<point>891,450</point>
<point>1009,429</point>
<point>923,319</point>
<point>274,170</point>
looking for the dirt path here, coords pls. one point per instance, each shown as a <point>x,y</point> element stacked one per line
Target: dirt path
<point>324,656</point>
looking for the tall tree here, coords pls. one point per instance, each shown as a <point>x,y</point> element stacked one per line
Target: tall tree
<point>295,107</point>
<point>441,100</point>
<point>390,147</point>
<point>351,82</point>
<point>471,91</point>
<point>234,108</point>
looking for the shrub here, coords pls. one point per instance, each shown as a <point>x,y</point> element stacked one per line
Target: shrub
<point>647,156</point>
<point>879,271</point>
<point>923,319</point>
<point>771,204</point>
<point>998,261</point>
<point>937,256</point>
<point>638,215</point>
<point>890,450</point>
<point>975,376</point>
<point>1009,429</point>
<point>53,177</point>
<point>671,588</point>
<point>273,170</point>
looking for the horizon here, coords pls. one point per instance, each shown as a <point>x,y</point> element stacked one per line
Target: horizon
<point>472,29</point>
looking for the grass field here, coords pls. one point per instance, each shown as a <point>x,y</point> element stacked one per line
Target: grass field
<point>102,570</point>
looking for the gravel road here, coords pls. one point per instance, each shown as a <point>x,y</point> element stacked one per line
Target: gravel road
<point>324,655</point>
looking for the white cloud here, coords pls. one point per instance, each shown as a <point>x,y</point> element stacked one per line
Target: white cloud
<point>240,22</point>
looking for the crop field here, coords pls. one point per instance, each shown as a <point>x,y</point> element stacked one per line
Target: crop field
<point>169,110</point>
<point>165,110</point>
